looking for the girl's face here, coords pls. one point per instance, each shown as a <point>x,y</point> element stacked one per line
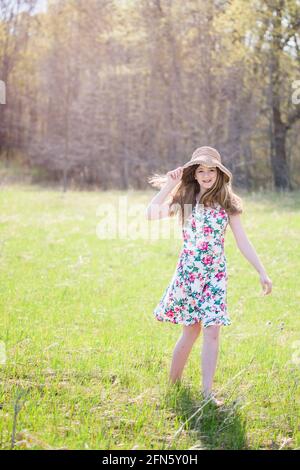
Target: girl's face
<point>206,176</point>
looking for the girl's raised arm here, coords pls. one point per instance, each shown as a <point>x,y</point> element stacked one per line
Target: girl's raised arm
<point>247,249</point>
<point>158,208</point>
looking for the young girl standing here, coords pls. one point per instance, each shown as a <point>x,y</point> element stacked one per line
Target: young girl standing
<point>197,292</point>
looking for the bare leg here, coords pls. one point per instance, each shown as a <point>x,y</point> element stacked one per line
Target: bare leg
<point>182,350</point>
<point>210,350</point>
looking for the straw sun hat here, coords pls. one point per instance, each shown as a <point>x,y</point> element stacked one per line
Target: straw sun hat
<point>208,156</point>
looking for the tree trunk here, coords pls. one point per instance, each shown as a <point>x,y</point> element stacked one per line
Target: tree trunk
<point>278,157</point>
<point>279,161</point>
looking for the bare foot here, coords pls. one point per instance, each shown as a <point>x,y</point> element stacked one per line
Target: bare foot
<point>175,383</point>
<point>211,398</point>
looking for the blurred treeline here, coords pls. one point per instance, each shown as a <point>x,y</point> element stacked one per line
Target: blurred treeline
<point>107,92</point>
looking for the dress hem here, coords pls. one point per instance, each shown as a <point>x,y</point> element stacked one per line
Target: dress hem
<point>213,321</point>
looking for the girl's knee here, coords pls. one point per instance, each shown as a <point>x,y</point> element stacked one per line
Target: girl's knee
<point>192,330</point>
<point>212,332</point>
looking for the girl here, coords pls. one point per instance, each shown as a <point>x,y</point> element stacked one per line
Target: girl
<point>197,292</point>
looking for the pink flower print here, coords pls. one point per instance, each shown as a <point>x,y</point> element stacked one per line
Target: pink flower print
<point>203,246</point>
<point>193,223</point>
<point>186,235</point>
<point>170,314</point>
<point>222,306</point>
<point>219,275</point>
<point>207,230</point>
<point>207,260</point>
<point>177,309</point>
<point>192,277</point>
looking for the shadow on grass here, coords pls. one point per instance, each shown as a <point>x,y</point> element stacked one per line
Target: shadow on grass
<point>210,427</point>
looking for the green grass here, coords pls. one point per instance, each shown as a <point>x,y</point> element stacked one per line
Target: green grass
<point>87,363</point>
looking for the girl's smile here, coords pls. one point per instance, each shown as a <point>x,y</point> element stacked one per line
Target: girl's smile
<point>206,176</point>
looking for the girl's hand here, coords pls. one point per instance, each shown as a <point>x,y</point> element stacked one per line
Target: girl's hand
<point>174,176</point>
<point>266,284</point>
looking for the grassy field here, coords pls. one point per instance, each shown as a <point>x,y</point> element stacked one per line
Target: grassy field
<point>84,364</point>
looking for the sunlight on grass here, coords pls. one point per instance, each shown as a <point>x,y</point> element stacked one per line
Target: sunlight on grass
<point>86,364</point>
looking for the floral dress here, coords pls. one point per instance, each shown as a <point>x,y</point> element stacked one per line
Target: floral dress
<point>198,288</point>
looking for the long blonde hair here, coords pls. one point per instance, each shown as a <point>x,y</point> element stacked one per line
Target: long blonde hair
<point>185,193</point>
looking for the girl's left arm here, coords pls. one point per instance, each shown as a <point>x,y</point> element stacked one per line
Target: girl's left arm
<point>247,249</point>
